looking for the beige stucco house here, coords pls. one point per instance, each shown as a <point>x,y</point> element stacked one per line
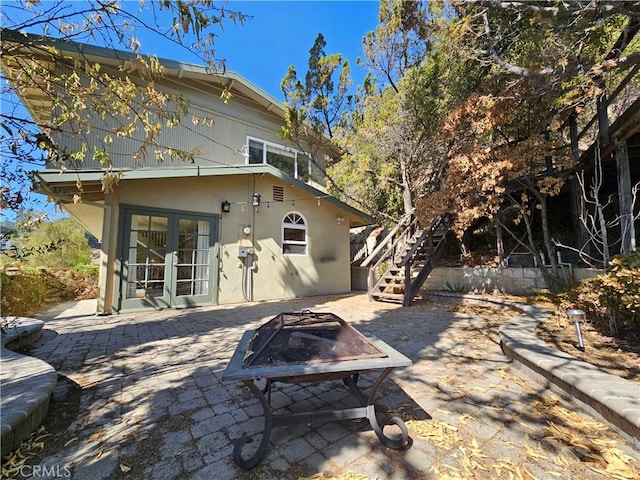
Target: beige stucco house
<point>248,220</point>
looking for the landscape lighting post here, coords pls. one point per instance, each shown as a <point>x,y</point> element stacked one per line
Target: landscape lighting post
<point>577,316</point>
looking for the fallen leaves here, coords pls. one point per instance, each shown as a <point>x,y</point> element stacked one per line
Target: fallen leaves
<point>586,440</point>
<point>618,465</point>
<point>12,463</point>
<point>557,440</point>
<point>536,452</point>
<point>344,476</point>
<point>441,433</point>
<point>70,441</point>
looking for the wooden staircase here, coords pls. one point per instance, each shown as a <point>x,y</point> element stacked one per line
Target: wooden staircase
<point>406,257</point>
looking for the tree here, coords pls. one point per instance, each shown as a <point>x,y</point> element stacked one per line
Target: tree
<point>597,247</point>
<point>395,145</point>
<point>398,43</point>
<point>76,87</point>
<point>68,240</point>
<point>382,151</point>
<point>316,108</point>
<point>508,149</point>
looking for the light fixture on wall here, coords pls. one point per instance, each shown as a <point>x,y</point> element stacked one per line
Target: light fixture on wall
<point>255,200</point>
<point>225,207</point>
<point>339,220</point>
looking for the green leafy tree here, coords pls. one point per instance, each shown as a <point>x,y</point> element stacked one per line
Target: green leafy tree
<point>399,42</point>
<point>394,155</point>
<point>68,245</point>
<point>316,107</point>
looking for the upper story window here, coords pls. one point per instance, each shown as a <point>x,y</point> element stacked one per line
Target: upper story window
<point>288,160</point>
<point>294,234</point>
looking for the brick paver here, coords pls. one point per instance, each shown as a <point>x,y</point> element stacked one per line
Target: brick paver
<point>153,404</point>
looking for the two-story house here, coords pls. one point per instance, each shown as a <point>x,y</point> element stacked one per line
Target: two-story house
<point>248,220</point>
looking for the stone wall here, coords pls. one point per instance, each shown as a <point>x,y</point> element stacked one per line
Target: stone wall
<point>514,280</point>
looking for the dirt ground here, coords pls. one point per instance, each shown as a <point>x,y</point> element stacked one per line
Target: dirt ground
<point>620,357</point>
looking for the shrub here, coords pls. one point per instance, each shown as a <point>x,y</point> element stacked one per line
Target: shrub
<point>612,300</point>
<point>26,292</point>
<point>22,294</point>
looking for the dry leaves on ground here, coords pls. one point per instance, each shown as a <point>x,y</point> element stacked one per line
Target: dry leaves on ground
<point>620,357</point>
<point>13,463</point>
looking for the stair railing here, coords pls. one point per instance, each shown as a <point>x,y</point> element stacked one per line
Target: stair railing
<point>395,243</point>
<point>411,286</point>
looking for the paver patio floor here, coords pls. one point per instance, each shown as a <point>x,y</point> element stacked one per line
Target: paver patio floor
<point>153,405</point>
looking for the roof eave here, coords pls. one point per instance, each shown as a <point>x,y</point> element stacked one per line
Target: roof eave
<point>96,54</point>
<point>45,181</point>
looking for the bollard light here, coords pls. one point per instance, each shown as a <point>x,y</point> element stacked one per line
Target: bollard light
<point>577,316</point>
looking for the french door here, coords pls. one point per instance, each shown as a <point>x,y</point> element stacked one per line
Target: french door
<point>168,259</point>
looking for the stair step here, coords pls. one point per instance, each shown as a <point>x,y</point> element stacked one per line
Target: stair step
<point>388,296</point>
<point>399,278</point>
<point>390,288</point>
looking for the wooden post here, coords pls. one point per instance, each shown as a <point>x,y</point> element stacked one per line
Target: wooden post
<point>575,192</point>
<point>500,245</point>
<point>371,281</point>
<point>625,197</point>
<point>408,293</point>
<point>573,135</point>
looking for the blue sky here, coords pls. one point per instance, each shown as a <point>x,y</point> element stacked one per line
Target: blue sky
<point>282,32</point>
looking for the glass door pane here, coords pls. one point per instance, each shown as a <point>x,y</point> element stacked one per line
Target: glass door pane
<point>192,276</point>
<point>167,259</point>
<point>147,256</point>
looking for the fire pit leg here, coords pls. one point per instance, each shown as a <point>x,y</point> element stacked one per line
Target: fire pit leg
<point>397,443</point>
<point>266,434</point>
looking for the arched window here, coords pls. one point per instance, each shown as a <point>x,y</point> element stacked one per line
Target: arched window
<point>294,234</point>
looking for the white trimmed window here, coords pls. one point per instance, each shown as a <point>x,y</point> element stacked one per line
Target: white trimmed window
<point>288,160</point>
<point>294,234</point>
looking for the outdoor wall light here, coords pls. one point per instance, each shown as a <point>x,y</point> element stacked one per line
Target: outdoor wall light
<point>225,207</point>
<point>577,316</point>
<point>255,200</point>
<point>339,220</point>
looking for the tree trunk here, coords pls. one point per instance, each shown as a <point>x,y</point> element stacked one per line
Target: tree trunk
<point>546,235</point>
<point>603,117</point>
<point>500,245</point>
<point>532,244</point>
<point>625,197</point>
<point>406,186</point>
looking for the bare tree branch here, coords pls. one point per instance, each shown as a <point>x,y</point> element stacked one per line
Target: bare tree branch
<point>571,9</point>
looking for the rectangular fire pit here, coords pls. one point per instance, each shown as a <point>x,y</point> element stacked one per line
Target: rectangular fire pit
<point>309,347</point>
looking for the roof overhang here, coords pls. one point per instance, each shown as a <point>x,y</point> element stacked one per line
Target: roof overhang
<point>30,49</point>
<point>47,51</point>
<point>62,187</point>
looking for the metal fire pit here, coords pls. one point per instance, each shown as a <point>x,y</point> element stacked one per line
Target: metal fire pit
<point>308,347</point>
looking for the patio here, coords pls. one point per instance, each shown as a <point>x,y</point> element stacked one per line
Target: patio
<point>152,403</point>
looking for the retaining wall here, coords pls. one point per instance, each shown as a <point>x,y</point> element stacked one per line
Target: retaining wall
<point>514,280</point>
